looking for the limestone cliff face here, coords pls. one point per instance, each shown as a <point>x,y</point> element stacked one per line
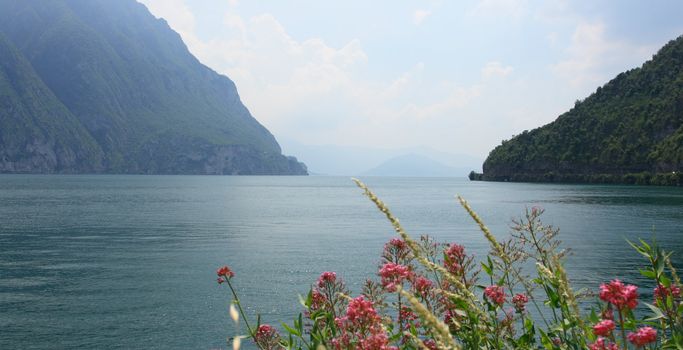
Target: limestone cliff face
<point>630,128</point>
<point>91,86</point>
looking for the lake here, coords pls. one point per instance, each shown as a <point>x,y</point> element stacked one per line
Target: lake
<point>129,261</point>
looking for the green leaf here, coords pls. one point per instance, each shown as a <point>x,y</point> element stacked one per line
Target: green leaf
<point>291,330</point>
<point>648,273</point>
<point>657,312</point>
<point>486,269</point>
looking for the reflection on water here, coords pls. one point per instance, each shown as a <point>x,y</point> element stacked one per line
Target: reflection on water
<point>129,261</point>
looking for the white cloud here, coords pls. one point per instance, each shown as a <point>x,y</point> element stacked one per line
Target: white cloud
<point>175,12</point>
<point>420,15</point>
<point>513,9</point>
<point>317,93</point>
<point>592,58</point>
<point>495,69</point>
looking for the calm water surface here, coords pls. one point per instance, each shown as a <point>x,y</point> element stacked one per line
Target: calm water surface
<point>129,261</point>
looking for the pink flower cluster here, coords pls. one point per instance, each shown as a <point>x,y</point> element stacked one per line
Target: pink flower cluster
<point>224,273</point>
<point>264,330</point>
<point>454,258</point>
<point>393,275</point>
<point>662,292</point>
<point>326,277</point>
<point>397,244</point>
<point>396,250</point>
<point>318,300</point>
<point>409,318</point>
<point>361,328</point>
<point>643,336</point>
<point>604,328</point>
<point>495,294</point>
<point>520,301</point>
<point>266,336</point>
<point>602,344</point>
<point>422,285</point>
<point>619,294</point>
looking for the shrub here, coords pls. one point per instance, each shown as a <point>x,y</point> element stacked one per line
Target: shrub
<point>435,296</point>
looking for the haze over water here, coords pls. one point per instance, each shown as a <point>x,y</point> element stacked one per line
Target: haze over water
<point>129,261</point>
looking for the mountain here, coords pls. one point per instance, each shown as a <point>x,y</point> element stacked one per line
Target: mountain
<point>628,131</point>
<point>355,160</point>
<point>415,166</point>
<point>100,86</point>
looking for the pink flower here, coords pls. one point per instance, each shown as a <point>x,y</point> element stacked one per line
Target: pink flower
<point>454,257</point>
<point>662,292</point>
<point>430,343</point>
<point>393,275</point>
<point>225,272</point>
<point>643,336</point>
<point>601,344</point>
<point>455,251</point>
<point>422,285</point>
<point>266,336</point>
<point>619,294</point>
<point>264,330</point>
<point>375,341</point>
<point>408,317</point>
<point>396,251</point>
<point>361,312</point>
<point>520,301</point>
<point>318,300</point>
<point>397,244</point>
<point>326,277</point>
<point>220,280</point>
<point>361,328</point>
<point>495,294</point>
<point>604,328</point>
<point>607,314</point>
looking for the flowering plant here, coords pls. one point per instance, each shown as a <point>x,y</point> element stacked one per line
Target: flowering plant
<point>429,296</point>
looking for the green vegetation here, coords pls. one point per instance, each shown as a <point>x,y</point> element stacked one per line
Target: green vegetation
<point>629,131</point>
<point>119,89</point>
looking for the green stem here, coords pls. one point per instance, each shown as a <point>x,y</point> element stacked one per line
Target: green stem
<point>239,306</point>
<point>400,319</point>
<point>623,330</point>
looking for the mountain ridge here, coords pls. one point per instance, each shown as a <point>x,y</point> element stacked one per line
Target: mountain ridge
<point>133,85</point>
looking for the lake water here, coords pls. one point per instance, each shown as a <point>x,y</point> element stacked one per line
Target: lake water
<point>129,261</point>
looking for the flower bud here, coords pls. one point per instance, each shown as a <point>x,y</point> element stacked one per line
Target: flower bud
<point>233,313</point>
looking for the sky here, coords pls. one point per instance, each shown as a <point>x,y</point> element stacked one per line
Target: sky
<point>452,76</point>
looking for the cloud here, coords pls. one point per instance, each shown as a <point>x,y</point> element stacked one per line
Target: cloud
<point>420,15</point>
<point>495,69</point>
<point>314,92</point>
<point>592,57</point>
<point>174,12</point>
<point>513,9</point>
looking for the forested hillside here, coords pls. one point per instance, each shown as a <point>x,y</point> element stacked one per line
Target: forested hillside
<point>628,131</point>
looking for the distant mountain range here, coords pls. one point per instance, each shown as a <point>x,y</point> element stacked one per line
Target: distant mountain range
<point>415,165</point>
<point>358,160</point>
<point>102,86</point>
<point>629,131</point>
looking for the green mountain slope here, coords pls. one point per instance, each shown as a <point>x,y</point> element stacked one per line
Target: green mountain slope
<point>37,132</point>
<point>131,83</point>
<point>630,130</point>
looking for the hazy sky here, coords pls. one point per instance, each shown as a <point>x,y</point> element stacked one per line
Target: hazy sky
<point>457,76</point>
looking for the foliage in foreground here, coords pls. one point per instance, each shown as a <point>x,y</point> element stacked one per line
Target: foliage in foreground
<point>435,296</point>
